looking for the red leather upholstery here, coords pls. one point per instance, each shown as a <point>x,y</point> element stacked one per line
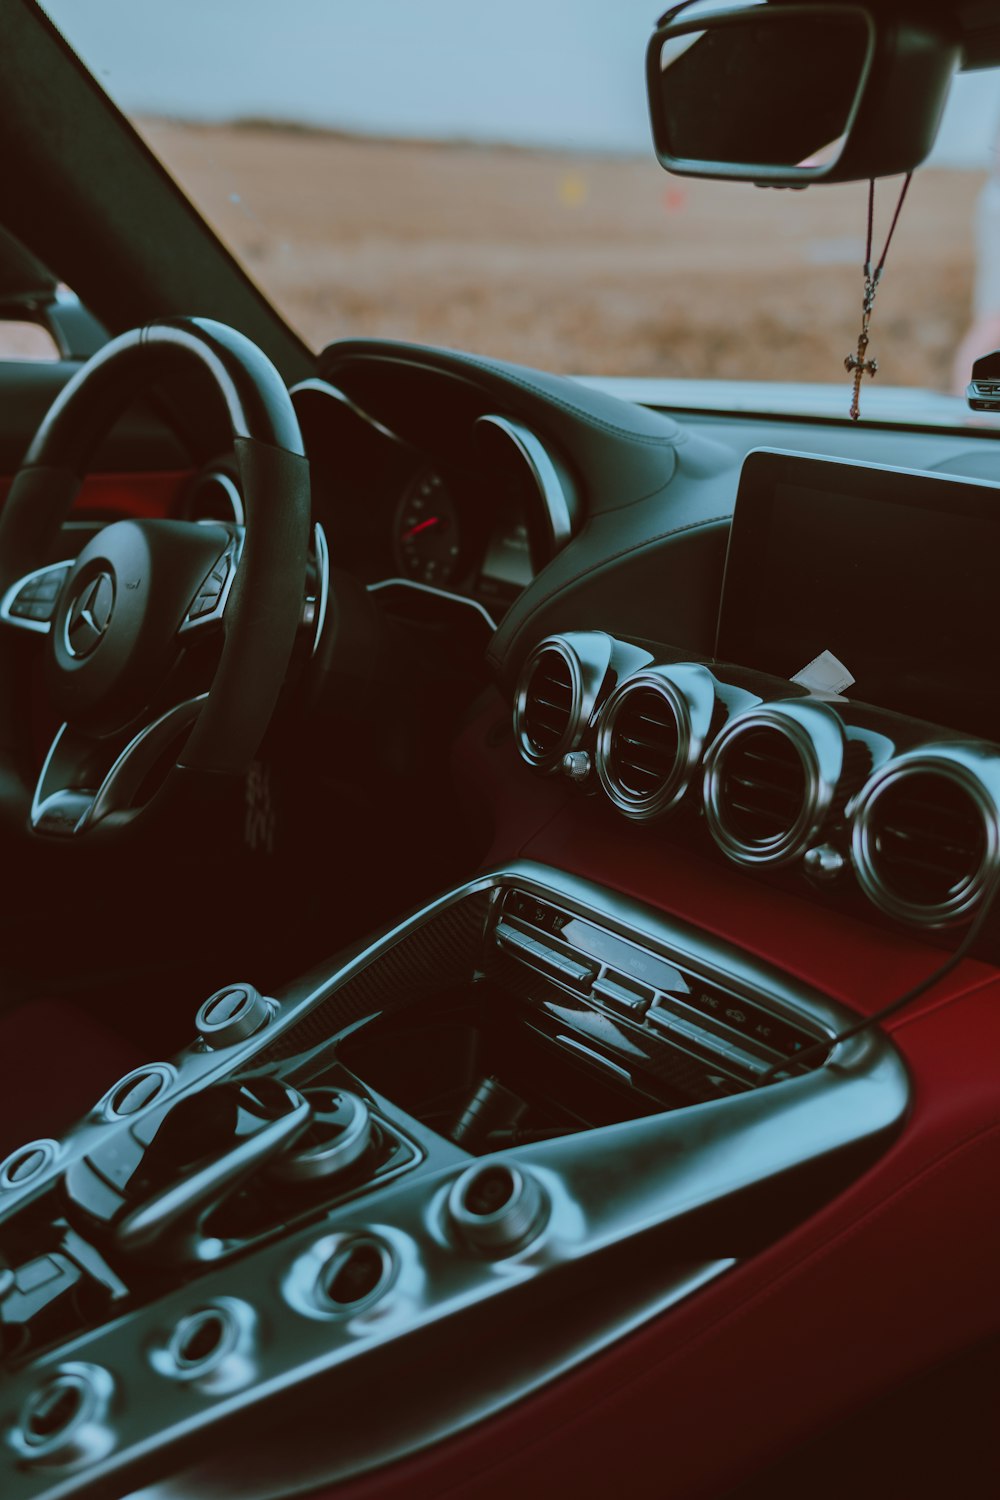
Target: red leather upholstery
<point>895,1274</point>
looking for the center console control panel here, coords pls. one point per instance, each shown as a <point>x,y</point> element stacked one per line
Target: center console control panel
<point>724,1026</point>
<point>420,1153</point>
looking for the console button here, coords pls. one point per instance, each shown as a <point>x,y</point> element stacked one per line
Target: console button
<point>231,1015</point>
<point>356,1274</point>
<point>628,1000</point>
<point>27,1163</point>
<point>62,1421</point>
<point>677,1026</point>
<point>750,1020</point>
<point>544,957</point>
<point>137,1090</point>
<point>496,1208</point>
<point>209,1347</point>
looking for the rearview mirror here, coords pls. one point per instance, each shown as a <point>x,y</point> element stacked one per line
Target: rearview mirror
<point>793,94</point>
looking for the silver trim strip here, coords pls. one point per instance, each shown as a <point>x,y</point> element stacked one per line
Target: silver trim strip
<point>72,805</point>
<point>326,388</point>
<point>322,550</point>
<point>132,765</point>
<point>545,480</point>
<point>428,588</point>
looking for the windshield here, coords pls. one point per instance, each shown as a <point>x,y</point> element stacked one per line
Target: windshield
<point>482,177</point>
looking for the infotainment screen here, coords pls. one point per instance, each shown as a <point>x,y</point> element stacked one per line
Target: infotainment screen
<point>893,572</point>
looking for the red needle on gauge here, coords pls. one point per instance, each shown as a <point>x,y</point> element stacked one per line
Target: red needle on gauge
<point>421,526</point>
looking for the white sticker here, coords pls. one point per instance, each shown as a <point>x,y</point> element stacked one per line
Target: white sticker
<point>824,674</point>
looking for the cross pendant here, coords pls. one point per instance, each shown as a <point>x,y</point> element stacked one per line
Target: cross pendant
<point>858,365</point>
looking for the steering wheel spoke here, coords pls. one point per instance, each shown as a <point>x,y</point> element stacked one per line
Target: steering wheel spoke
<point>208,606</point>
<point>118,619</point>
<point>85,779</point>
<point>31,601</point>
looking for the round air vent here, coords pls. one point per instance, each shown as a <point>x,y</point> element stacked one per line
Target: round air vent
<point>548,704</point>
<point>770,779</point>
<point>926,834</point>
<point>652,733</point>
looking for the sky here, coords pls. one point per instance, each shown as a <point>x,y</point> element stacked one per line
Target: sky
<point>528,72</point>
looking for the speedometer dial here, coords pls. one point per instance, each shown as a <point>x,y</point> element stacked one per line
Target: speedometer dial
<point>426,538</point>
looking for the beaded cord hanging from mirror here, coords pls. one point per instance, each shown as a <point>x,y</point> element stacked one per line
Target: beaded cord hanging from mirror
<point>858,364</point>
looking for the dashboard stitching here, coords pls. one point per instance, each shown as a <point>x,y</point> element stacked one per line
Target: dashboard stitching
<point>496,658</point>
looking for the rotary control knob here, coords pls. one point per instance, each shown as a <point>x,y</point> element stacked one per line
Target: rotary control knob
<point>495,1208</point>
<point>338,1137</point>
<point>576,766</point>
<point>231,1015</point>
<point>63,1421</point>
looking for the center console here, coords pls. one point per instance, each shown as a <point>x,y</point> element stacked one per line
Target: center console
<point>372,1209</point>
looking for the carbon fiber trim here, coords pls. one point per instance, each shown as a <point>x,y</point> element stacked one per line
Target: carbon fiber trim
<point>442,952</point>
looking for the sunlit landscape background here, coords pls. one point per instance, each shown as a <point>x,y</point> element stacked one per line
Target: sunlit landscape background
<point>441,174</point>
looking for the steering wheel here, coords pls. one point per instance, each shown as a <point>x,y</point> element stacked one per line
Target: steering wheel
<point>122,619</point>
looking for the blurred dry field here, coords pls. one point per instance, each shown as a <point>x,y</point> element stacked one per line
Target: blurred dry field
<point>579,263</point>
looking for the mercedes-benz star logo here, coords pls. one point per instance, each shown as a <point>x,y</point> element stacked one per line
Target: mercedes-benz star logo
<point>90,615</point>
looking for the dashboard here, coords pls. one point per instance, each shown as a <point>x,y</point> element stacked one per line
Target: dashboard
<point>739,635</point>
<point>700,883</point>
<point>751,649</point>
<point>477,515</point>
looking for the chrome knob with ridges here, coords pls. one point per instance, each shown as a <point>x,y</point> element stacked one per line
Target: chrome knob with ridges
<point>232,1015</point>
<point>496,1208</point>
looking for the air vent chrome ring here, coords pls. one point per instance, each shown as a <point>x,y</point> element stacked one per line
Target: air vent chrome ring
<point>558,691</point>
<point>770,780</point>
<point>545,728</point>
<point>937,882</point>
<point>651,736</point>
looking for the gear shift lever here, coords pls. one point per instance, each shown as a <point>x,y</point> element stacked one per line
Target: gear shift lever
<point>143,1184</point>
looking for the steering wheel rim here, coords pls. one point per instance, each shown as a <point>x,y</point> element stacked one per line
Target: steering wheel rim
<point>147,606</point>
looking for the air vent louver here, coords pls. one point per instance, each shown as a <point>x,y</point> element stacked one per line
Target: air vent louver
<point>643,744</point>
<point>925,839</point>
<point>549,706</point>
<point>763,785</point>
<point>770,780</point>
<point>651,736</point>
